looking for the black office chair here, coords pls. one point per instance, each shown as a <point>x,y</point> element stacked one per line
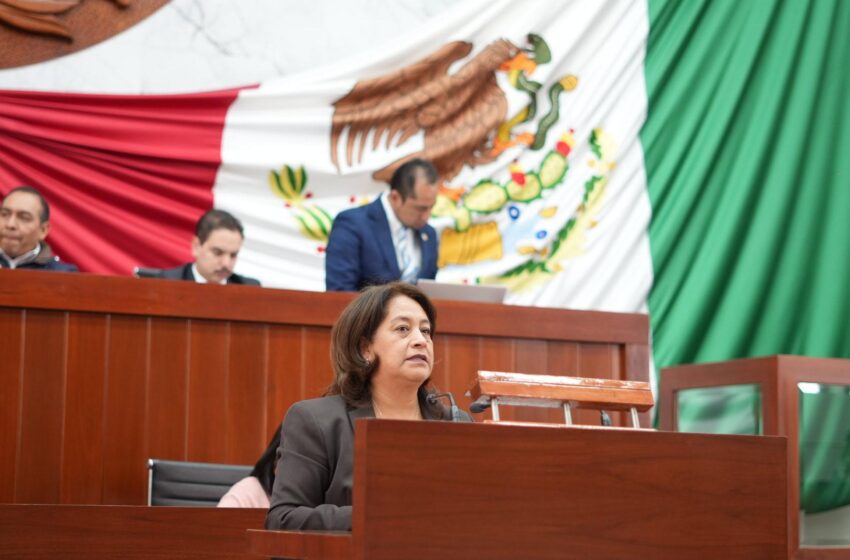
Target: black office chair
<point>186,484</point>
<point>143,272</point>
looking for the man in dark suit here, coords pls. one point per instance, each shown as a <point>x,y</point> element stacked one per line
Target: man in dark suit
<point>24,224</point>
<point>218,239</point>
<point>389,239</point>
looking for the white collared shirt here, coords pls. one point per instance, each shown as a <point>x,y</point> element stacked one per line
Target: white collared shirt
<point>29,256</point>
<point>200,279</point>
<point>414,248</point>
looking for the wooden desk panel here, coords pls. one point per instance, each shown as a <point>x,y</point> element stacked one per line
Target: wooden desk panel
<point>100,373</point>
<point>11,370</point>
<point>507,492</point>
<point>42,532</point>
<point>302,544</point>
<point>497,492</point>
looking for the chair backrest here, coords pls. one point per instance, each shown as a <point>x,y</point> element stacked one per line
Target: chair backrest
<point>182,483</point>
<point>144,272</point>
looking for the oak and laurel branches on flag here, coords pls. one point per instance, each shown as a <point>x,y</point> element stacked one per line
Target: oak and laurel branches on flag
<point>595,147</point>
<point>290,184</point>
<point>467,243</point>
<point>489,196</point>
<point>569,241</point>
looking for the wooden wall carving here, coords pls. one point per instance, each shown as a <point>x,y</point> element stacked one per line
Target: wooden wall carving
<point>100,373</point>
<point>38,30</point>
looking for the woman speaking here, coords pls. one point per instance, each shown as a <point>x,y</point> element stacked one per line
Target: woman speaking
<point>383,353</point>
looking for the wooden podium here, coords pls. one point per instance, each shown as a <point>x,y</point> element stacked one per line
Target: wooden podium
<point>443,490</point>
<point>777,378</point>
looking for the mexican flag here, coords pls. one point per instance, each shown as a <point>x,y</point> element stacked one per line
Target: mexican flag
<point>745,147</point>
<point>687,159</point>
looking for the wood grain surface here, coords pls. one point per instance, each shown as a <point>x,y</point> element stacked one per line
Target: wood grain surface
<point>100,373</point>
<point>42,532</point>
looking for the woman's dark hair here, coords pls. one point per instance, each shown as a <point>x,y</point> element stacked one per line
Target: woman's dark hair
<point>264,468</point>
<point>358,323</point>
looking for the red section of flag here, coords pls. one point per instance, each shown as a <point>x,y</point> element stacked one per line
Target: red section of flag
<point>126,176</point>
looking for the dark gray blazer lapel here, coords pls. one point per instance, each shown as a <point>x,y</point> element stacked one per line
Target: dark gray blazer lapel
<point>364,411</point>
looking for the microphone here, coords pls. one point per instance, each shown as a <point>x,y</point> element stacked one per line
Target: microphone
<point>455,411</point>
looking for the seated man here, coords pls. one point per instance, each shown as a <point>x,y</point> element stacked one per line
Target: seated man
<point>218,239</point>
<point>389,239</point>
<point>24,224</point>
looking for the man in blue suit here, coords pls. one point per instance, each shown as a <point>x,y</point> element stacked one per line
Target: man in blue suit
<point>389,239</point>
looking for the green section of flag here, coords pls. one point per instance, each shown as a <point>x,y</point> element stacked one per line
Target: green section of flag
<point>747,151</point>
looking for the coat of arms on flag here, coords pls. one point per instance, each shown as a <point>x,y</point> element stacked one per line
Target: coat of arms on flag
<point>502,146</point>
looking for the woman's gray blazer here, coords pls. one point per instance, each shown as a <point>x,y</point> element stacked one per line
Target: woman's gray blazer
<point>312,488</point>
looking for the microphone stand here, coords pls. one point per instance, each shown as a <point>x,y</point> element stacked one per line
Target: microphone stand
<point>453,408</point>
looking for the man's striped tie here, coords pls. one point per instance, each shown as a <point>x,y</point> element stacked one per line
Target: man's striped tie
<point>409,269</point>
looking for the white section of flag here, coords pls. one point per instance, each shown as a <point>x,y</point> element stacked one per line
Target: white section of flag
<point>288,122</point>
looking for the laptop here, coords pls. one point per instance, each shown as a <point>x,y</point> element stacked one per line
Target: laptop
<point>462,292</point>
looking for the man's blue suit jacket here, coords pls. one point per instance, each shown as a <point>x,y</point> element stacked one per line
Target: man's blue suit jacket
<point>360,250</point>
